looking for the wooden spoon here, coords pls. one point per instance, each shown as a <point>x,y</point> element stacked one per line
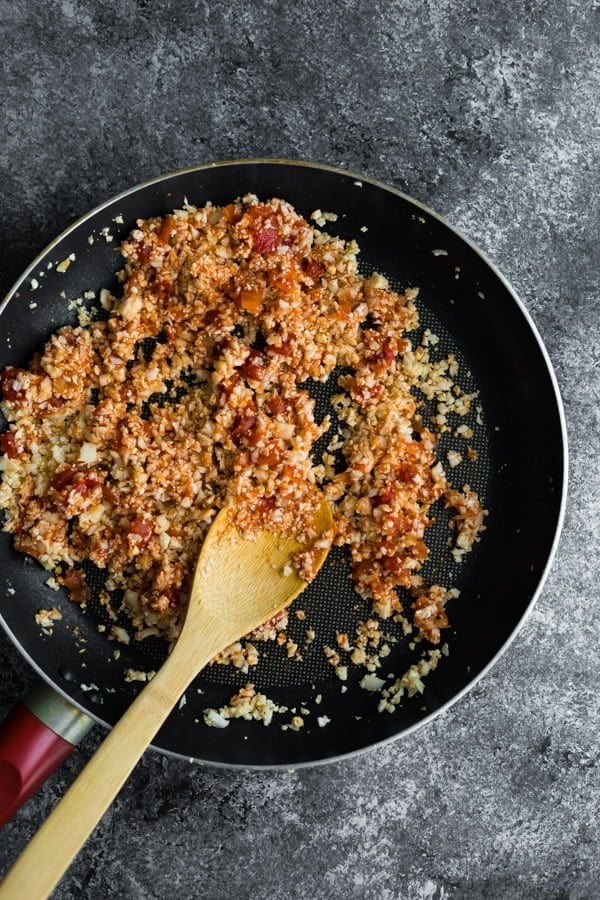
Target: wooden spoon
<point>238,585</point>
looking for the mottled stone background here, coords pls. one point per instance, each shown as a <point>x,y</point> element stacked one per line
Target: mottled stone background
<point>488,112</point>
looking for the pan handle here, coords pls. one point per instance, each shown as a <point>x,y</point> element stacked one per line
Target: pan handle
<point>35,739</point>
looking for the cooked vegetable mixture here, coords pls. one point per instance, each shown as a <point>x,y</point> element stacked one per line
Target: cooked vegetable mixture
<point>128,433</point>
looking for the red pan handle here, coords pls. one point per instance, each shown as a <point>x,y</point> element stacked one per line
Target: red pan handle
<point>35,739</point>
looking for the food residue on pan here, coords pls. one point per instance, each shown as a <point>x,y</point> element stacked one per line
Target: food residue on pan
<point>246,704</point>
<point>47,618</point>
<point>128,432</point>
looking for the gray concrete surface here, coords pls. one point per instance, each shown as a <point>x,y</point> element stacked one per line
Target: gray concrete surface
<point>488,112</point>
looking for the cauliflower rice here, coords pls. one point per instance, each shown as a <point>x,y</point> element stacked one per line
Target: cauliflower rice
<point>128,434</point>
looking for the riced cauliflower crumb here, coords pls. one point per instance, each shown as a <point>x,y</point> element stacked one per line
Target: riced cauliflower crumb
<point>371,682</point>
<point>247,704</point>
<point>47,618</point>
<point>410,683</point>
<point>454,458</point>
<point>120,634</point>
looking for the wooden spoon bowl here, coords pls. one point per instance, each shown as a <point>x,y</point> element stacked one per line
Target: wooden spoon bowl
<point>238,584</point>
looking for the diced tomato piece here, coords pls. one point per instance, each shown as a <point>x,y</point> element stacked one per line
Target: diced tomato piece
<point>243,428</point>
<point>74,581</point>
<point>270,456</point>
<point>173,595</point>
<point>266,504</point>
<point>8,445</point>
<point>284,349</point>
<point>165,289</point>
<point>365,394</point>
<point>386,496</point>
<point>9,384</point>
<point>253,366</point>
<point>69,482</point>
<point>266,239</point>
<point>63,478</point>
<point>110,494</point>
<point>226,388</point>
<point>85,484</point>
<point>286,279</point>
<point>156,598</point>
<point>144,251</point>
<point>254,437</point>
<point>142,527</point>
<point>396,565</point>
<point>275,405</point>
<point>387,351</point>
<point>406,472</point>
<point>167,229</point>
<point>313,268</point>
<point>52,403</point>
<point>250,298</point>
<point>363,570</point>
<point>230,213</point>
<point>140,532</point>
<point>264,228</point>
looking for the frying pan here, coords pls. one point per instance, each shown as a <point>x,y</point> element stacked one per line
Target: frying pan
<point>520,474</point>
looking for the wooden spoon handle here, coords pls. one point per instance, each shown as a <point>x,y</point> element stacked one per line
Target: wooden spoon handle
<point>52,849</point>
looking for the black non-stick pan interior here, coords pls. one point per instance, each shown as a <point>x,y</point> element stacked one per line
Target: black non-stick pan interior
<point>519,475</point>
